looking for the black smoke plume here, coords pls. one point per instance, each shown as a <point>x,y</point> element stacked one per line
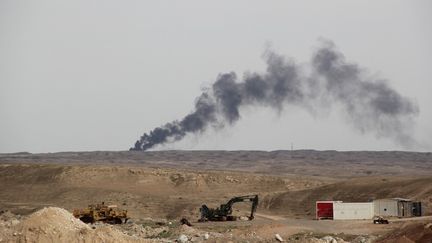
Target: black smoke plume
<point>370,104</point>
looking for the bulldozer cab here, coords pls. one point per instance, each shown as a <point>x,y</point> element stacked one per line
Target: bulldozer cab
<point>101,213</point>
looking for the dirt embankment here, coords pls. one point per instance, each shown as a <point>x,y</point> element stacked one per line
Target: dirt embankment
<point>300,203</point>
<point>170,193</point>
<point>145,192</point>
<point>420,232</point>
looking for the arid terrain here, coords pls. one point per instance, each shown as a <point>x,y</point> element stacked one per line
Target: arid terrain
<point>160,188</point>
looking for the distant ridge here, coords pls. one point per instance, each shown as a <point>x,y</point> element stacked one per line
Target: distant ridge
<point>299,162</point>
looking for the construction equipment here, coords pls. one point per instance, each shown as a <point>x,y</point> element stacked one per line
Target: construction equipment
<point>380,220</point>
<point>101,213</point>
<point>224,211</point>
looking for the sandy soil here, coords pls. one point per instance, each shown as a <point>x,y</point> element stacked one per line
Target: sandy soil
<point>166,186</point>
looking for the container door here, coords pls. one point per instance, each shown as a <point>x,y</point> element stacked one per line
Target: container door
<point>325,210</point>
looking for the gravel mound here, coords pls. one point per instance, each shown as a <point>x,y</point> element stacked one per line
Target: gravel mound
<point>52,220</point>
<point>58,225</point>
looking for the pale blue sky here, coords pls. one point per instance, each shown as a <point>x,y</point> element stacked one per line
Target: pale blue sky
<point>94,75</point>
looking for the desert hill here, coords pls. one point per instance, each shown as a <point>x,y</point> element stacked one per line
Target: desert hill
<point>298,162</point>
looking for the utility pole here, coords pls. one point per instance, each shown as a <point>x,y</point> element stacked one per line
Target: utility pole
<point>292,148</point>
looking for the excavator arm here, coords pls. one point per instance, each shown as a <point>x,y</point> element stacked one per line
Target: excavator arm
<point>249,198</point>
<point>224,212</point>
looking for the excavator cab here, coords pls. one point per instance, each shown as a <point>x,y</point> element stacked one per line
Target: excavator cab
<point>224,211</point>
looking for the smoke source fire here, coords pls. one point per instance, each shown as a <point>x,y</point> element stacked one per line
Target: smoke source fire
<point>370,104</point>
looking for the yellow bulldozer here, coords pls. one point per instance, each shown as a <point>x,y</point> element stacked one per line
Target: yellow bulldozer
<point>101,213</point>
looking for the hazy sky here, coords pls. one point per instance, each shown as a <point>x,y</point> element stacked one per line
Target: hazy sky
<point>95,75</point>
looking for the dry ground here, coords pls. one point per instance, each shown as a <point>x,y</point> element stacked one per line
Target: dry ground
<point>161,186</point>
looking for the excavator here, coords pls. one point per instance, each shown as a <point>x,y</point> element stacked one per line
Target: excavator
<point>224,211</point>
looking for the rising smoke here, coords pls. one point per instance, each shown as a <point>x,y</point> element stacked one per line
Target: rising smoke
<point>370,104</point>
